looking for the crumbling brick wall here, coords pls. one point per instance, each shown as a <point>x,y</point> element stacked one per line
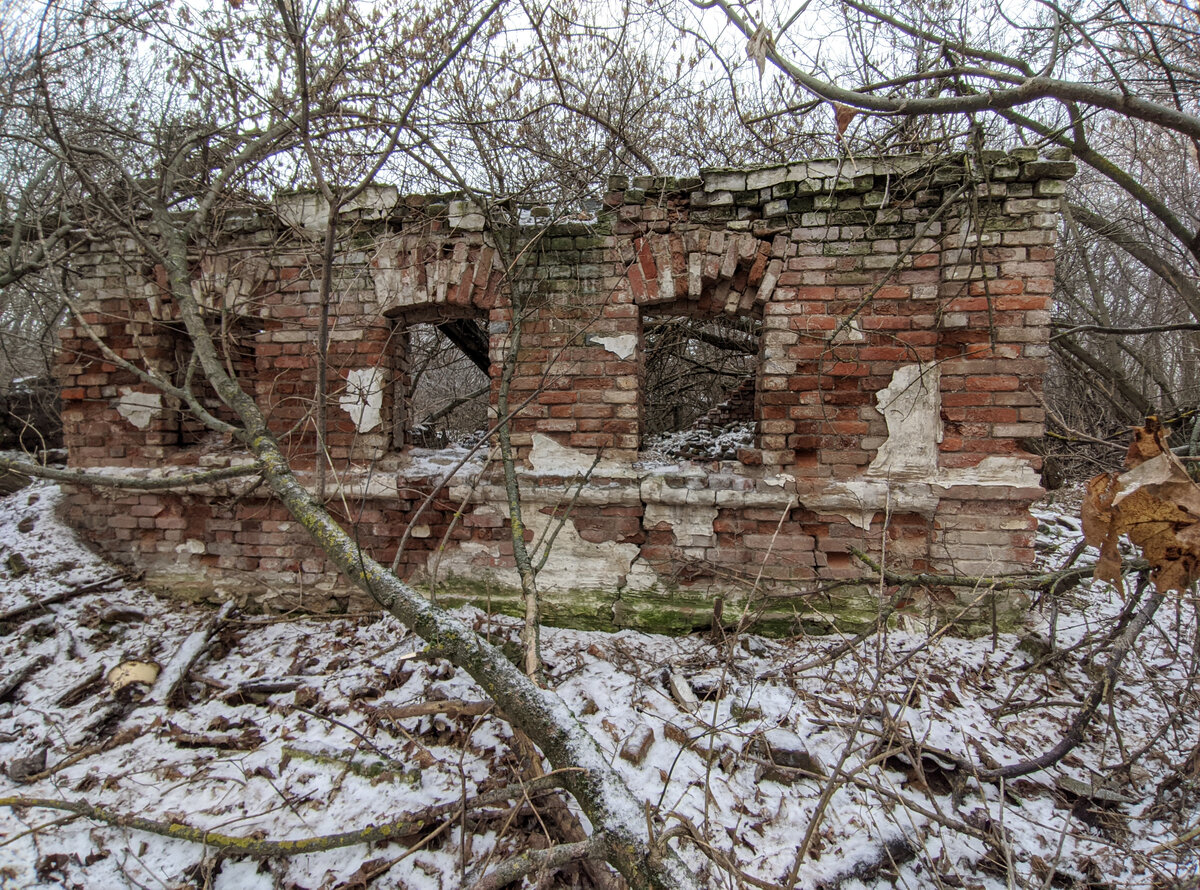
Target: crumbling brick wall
<point>904,310</point>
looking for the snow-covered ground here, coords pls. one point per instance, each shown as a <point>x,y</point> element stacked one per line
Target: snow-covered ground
<point>296,727</point>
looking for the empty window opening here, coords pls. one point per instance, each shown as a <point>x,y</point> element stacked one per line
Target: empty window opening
<point>443,385</point>
<point>700,384</point>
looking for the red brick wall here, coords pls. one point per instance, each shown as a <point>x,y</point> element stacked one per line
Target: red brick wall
<point>857,270</point>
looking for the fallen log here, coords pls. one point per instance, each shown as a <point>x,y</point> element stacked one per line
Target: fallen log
<point>63,596</point>
<point>9,687</point>
<point>166,687</point>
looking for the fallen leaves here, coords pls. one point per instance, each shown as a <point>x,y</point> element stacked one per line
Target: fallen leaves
<point>1156,504</point>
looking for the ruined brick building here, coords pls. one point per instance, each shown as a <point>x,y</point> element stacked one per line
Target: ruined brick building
<point>901,308</point>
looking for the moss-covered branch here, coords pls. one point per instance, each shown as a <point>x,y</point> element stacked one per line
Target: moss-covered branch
<point>123,480</point>
<point>247,846</point>
<point>411,825</point>
<point>1033,581</point>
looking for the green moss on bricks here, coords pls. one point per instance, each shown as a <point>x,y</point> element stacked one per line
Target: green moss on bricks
<point>579,609</point>
<point>657,610</point>
<point>845,608</point>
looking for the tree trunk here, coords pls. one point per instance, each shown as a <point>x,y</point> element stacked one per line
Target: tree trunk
<point>610,806</point>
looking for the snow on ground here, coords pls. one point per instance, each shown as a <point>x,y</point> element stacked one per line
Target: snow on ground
<point>701,443</point>
<point>296,727</point>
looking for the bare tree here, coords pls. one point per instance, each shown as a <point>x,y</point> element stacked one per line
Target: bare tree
<point>1113,84</point>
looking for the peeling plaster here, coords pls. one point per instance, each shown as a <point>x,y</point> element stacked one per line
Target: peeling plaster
<point>622,346</point>
<point>574,564</point>
<point>1007,470</point>
<point>911,404</point>
<point>905,477</point>
<point>860,499</point>
<point>363,398</point>
<point>139,408</point>
<point>549,458</point>
<point>692,525</point>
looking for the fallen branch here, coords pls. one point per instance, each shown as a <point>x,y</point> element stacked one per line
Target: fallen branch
<point>81,689</point>
<point>36,829</point>
<point>129,483</point>
<point>225,843</point>
<point>397,829</point>
<point>1184,838</point>
<point>54,599</point>
<point>244,740</point>
<point>17,677</point>
<point>450,708</point>
<point>372,769</point>
<point>264,686</point>
<point>1099,692</point>
<point>1031,581</point>
<point>166,687</point>
<point>116,741</point>
<point>514,869</point>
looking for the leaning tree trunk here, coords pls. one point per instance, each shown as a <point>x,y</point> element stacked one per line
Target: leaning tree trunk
<point>541,714</point>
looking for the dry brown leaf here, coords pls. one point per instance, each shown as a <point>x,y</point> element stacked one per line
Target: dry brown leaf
<point>1156,504</point>
<point>1098,528</point>
<point>843,115</point>
<point>1148,441</point>
<point>1097,512</point>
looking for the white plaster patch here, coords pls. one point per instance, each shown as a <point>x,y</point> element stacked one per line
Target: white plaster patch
<point>578,564</point>
<point>1003,470</point>
<point>309,210</point>
<point>475,560</point>
<point>905,477</point>
<point>549,458</point>
<point>466,215</point>
<point>911,405</point>
<point>860,499</point>
<point>622,346</point>
<point>850,333</point>
<point>574,564</point>
<point>191,545</point>
<point>692,525</point>
<point>139,408</point>
<point>363,398</point>
<point>640,576</point>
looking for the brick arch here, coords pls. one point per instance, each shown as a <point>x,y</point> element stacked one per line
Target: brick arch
<point>418,270</point>
<point>734,272</point>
